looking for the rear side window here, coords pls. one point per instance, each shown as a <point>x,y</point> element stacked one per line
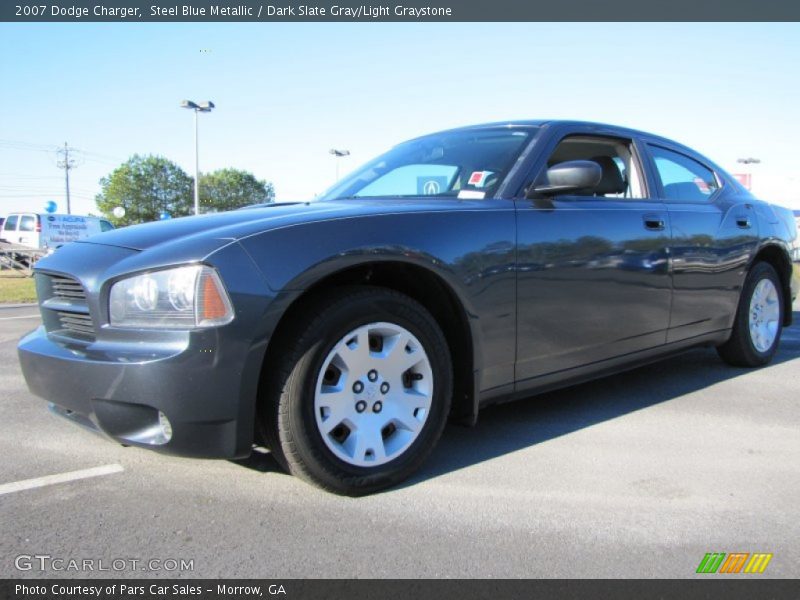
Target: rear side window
<point>11,223</point>
<point>26,224</point>
<point>105,225</point>
<point>683,178</point>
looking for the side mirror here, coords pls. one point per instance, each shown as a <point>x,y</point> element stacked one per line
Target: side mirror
<point>566,177</point>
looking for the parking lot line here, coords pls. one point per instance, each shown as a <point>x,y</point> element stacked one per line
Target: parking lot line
<point>27,484</point>
<point>22,317</point>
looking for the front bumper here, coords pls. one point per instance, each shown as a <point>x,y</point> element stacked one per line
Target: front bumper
<point>119,389</point>
<point>117,380</point>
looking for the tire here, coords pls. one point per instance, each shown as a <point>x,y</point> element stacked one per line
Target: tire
<point>759,320</point>
<point>362,392</point>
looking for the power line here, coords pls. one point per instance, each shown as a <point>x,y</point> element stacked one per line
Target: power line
<point>44,191</point>
<point>32,183</point>
<point>44,195</point>
<point>98,155</point>
<point>13,176</point>
<point>16,145</point>
<point>90,156</point>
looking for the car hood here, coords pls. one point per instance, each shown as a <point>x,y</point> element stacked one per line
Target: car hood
<point>237,224</point>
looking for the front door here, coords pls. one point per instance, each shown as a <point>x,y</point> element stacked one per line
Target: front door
<point>593,269</point>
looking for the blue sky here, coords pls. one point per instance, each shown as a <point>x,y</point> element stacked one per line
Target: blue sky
<point>286,93</point>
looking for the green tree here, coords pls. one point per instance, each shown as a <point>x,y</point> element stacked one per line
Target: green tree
<point>145,186</point>
<point>228,189</point>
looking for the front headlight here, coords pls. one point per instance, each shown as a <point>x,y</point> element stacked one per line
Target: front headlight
<point>180,298</point>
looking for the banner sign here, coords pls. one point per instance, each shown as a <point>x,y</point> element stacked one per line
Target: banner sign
<point>400,10</point>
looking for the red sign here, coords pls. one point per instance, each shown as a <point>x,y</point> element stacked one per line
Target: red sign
<point>478,178</point>
<point>744,179</point>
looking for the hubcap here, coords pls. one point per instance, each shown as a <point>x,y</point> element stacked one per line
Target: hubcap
<point>764,315</point>
<point>373,394</point>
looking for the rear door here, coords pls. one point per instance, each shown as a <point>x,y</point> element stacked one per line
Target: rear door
<point>28,230</point>
<point>714,233</point>
<point>593,277</point>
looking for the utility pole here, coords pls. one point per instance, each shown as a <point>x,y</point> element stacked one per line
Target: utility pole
<point>66,163</point>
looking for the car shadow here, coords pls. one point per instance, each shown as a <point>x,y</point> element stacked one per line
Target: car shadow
<point>260,460</point>
<point>506,428</point>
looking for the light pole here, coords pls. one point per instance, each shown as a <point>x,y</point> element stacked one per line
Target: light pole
<point>197,108</point>
<point>338,154</point>
<point>749,161</point>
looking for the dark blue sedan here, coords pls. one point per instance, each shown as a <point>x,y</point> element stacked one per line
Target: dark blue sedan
<point>457,270</point>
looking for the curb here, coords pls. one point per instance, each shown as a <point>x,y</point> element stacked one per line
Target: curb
<point>2,306</point>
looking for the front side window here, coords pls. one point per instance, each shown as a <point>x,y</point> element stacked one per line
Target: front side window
<point>683,178</point>
<point>620,174</point>
<point>464,164</point>
<point>11,223</point>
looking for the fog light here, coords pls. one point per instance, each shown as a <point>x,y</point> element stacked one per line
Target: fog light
<point>166,427</point>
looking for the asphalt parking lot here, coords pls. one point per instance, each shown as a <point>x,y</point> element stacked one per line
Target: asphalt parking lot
<point>637,475</point>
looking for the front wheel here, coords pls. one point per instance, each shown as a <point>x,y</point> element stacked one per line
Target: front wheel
<point>363,393</point>
<point>759,320</point>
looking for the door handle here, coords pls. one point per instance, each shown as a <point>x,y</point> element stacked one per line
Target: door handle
<point>743,222</point>
<point>653,222</point>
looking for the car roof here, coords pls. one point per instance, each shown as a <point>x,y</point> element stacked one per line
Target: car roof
<point>532,123</point>
<point>600,128</point>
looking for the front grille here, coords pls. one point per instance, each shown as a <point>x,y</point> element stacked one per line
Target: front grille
<point>65,287</point>
<point>65,311</point>
<point>76,322</point>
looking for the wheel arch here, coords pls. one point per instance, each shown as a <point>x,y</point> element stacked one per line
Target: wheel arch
<point>777,257</point>
<point>419,283</point>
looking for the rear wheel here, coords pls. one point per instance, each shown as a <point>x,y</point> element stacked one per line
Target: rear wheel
<point>759,320</point>
<point>362,393</point>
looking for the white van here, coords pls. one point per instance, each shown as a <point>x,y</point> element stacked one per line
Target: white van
<point>46,231</point>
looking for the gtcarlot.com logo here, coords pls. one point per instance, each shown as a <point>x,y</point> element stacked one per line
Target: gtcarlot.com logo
<point>734,562</point>
<point>46,562</point>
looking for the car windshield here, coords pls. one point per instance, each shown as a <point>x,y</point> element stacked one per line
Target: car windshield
<point>465,163</point>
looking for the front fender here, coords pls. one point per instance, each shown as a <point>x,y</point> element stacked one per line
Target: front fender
<point>472,251</point>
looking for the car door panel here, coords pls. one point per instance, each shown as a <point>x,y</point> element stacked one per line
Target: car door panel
<point>714,233</point>
<point>711,248</point>
<point>27,234</point>
<point>593,282</point>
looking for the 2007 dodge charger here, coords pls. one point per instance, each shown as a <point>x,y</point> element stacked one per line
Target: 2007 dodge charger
<point>459,269</point>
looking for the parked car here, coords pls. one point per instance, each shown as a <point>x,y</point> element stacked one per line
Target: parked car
<point>47,231</point>
<point>459,269</point>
